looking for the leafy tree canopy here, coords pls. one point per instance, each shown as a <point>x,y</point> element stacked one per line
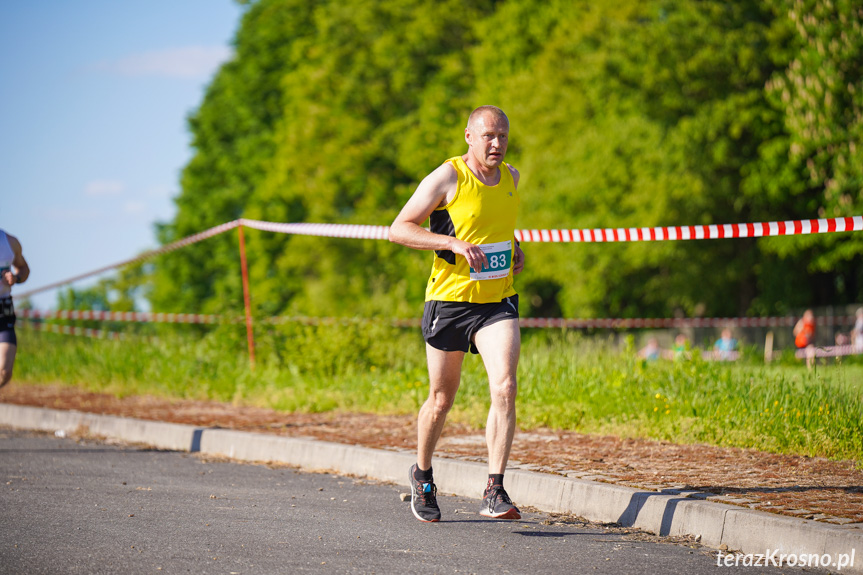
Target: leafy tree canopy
<point>633,113</point>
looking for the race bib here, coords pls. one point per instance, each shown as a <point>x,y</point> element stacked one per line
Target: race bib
<point>499,257</point>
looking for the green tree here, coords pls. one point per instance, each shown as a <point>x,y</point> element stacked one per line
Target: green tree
<point>629,114</point>
<point>642,123</point>
<point>233,141</point>
<point>817,169</point>
<point>375,101</point>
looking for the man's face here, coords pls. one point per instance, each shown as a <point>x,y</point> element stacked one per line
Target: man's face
<point>487,138</point>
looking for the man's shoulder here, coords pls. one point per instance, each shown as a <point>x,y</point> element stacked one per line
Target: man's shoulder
<point>446,173</point>
<point>13,241</point>
<point>439,184</point>
<point>514,173</point>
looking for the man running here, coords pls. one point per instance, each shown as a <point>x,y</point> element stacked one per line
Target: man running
<point>471,202</point>
<point>10,257</point>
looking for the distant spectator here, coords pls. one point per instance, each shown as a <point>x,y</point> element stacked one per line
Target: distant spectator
<point>725,345</point>
<point>804,336</point>
<point>841,339</point>
<point>680,347</point>
<point>804,330</point>
<point>857,332</point>
<point>650,351</point>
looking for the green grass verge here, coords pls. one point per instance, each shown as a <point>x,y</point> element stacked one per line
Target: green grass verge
<point>565,382</point>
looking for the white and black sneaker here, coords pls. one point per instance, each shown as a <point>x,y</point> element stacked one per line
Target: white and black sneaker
<point>497,504</point>
<point>423,498</point>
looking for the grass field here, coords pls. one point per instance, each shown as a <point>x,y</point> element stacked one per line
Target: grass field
<point>566,381</point>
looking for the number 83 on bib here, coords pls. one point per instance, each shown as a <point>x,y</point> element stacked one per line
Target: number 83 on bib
<point>499,256</point>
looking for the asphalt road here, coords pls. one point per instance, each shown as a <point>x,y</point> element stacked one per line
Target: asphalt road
<point>70,506</point>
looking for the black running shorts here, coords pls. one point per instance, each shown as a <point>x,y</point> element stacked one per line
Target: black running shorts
<point>451,326</point>
<point>7,335</point>
<point>7,321</point>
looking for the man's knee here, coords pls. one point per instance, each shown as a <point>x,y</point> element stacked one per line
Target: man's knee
<point>7,361</point>
<point>441,403</point>
<point>504,392</point>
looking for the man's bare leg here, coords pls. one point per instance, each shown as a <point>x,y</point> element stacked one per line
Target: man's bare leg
<point>444,379</point>
<point>499,346</point>
<point>7,362</point>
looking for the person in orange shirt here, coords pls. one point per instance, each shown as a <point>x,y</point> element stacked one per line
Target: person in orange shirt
<point>804,335</point>
<point>804,330</point>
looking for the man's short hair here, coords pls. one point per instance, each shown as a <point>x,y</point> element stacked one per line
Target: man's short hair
<point>493,110</point>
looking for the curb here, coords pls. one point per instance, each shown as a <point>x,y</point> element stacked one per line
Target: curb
<point>666,513</point>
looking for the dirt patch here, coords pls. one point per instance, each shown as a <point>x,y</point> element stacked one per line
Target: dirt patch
<point>809,487</point>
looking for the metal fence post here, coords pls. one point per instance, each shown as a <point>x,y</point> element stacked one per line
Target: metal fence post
<point>245,272</point>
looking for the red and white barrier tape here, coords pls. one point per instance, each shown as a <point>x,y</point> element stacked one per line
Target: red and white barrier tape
<point>72,330</point>
<point>602,323</point>
<point>829,351</point>
<point>316,321</point>
<point>362,232</point>
<point>527,322</point>
<point>707,355</point>
<point>130,316</point>
<point>32,317</point>
<point>700,232</point>
<point>152,317</point>
<point>146,255</point>
<point>667,323</point>
<point>709,232</point>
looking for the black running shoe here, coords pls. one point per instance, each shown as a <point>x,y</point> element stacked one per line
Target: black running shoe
<point>497,504</point>
<point>423,499</point>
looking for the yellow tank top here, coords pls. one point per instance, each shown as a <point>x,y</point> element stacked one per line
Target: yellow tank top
<point>482,215</point>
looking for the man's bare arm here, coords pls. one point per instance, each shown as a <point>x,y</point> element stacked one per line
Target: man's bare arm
<point>21,268</point>
<point>517,260</point>
<point>432,192</point>
<point>518,254</point>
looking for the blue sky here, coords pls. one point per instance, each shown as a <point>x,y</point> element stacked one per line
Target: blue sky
<point>94,98</point>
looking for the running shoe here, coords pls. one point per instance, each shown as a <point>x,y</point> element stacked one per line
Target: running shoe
<point>497,504</point>
<point>423,499</point>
